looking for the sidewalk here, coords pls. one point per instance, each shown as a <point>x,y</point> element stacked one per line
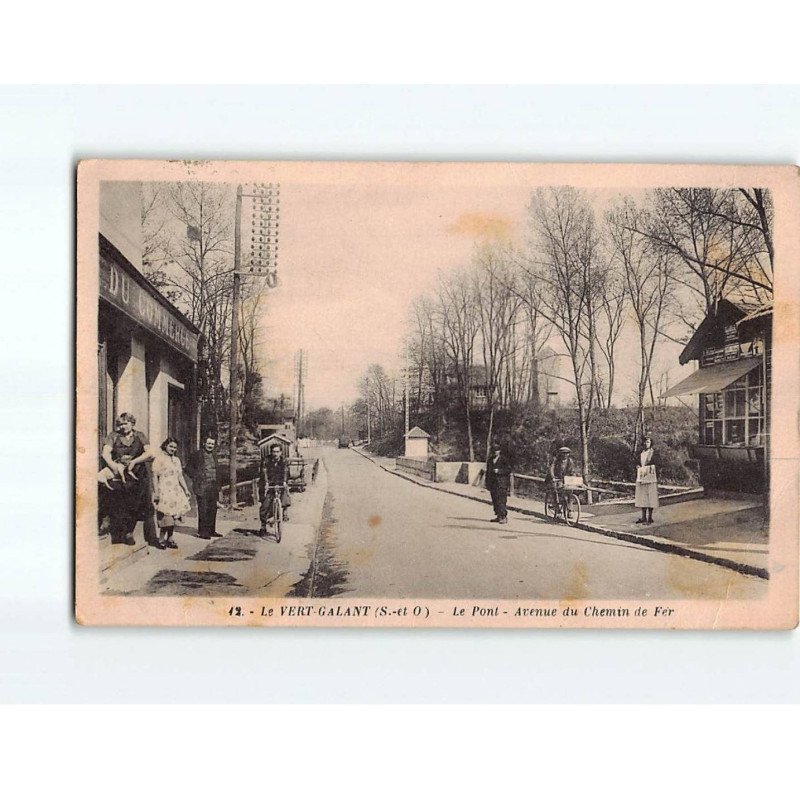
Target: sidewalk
<point>730,533</point>
<point>239,563</point>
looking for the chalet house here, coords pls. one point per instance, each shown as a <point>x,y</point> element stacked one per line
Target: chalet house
<point>733,351</point>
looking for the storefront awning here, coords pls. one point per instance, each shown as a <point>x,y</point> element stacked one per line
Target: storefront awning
<point>714,378</point>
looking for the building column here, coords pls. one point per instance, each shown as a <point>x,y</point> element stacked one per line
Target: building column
<point>132,395</point>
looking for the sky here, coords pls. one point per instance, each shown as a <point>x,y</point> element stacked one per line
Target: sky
<point>353,256</point>
<point>352,260</point>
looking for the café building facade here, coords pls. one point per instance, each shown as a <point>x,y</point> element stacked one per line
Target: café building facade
<point>147,350</point>
<point>733,384</point>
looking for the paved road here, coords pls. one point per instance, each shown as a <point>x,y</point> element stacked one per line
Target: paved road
<point>388,537</point>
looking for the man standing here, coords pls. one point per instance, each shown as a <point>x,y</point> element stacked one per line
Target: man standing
<point>274,473</point>
<point>206,487</point>
<point>498,481</point>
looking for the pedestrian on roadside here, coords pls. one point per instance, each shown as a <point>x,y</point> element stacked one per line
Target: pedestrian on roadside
<point>274,472</point>
<point>124,453</point>
<point>206,486</point>
<point>646,495</point>
<point>498,481</point>
<point>170,495</point>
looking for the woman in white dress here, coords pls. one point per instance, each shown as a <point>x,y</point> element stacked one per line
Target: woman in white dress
<point>170,495</point>
<point>646,497</point>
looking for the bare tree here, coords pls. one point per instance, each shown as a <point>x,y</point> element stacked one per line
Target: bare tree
<point>647,271</point>
<point>564,258</point>
<point>459,316</point>
<point>722,237</point>
<point>250,313</point>
<point>426,352</point>
<point>534,330</point>
<point>611,305</point>
<point>497,304</point>
<point>188,242</point>
<point>376,391</point>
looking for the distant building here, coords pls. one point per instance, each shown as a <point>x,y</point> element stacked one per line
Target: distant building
<point>549,381</point>
<point>478,385</point>
<point>733,348</point>
<point>554,389</point>
<point>286,428</point>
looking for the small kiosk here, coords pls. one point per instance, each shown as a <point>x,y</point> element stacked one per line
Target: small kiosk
<point>417,443</point>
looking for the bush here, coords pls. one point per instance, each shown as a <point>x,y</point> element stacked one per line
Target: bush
<point>391,445</point>
<point>534,434</point>
<point>612,459</point>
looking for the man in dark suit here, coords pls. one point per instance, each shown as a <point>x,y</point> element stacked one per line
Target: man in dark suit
<point>206,487</point>
<point>498,481</point>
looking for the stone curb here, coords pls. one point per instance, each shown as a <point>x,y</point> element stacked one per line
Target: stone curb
<point>655,544</point>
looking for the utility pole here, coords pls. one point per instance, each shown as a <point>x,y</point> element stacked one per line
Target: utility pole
<point>369,421</point>
<point>261,261</point>
<point>300,370</point>
<point>407,416</point>
<point>234,357</point>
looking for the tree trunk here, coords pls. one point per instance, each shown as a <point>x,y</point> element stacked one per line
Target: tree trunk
<point>585,458</point>
<point>491,425</point>
<point>534,392</point>
<point>469,433</point>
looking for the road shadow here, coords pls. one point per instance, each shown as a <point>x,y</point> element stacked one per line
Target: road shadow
<point>504,532</point>
<point>228,549</point>
<point>326,575</point>
<point>173,582</point>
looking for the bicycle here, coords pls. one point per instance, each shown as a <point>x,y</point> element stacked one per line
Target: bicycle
<point>277,510</point>
<point>563,502</point>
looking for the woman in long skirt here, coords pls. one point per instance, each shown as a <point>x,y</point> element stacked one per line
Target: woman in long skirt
<point>646,497</point>
<point>170,495</point>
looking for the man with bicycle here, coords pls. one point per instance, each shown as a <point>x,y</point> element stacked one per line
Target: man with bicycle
<point>274,477</point>
<point>561,465</point>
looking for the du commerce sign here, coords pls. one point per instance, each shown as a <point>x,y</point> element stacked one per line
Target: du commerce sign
<point>144,305</point>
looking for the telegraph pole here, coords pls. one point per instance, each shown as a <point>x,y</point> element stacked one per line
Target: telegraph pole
<point>369,423</point>
<point>407,420</point>
<point>234,357</point>
<point>262,260</point>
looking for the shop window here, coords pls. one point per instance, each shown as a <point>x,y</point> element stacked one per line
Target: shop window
<point>735,416</point>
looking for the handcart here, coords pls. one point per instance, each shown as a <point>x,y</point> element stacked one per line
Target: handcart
<point>297,474</point>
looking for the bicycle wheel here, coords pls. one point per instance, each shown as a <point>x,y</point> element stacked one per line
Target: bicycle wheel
<point>277,510</point>
<point>550,506</point>
<point>572,510</point>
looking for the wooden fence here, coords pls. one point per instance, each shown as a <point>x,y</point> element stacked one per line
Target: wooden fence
<point>247,491</point>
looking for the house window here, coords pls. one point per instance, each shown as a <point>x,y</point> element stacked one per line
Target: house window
<point>735,416</point>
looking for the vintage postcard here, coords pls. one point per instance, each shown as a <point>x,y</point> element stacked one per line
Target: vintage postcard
<point>437,395</point>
